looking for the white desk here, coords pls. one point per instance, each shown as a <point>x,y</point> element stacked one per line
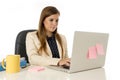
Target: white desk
<point>49,74</point>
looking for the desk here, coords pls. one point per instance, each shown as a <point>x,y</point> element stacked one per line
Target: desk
<point>50,74</point>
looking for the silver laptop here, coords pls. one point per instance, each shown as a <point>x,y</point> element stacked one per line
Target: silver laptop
<point>88,52</point>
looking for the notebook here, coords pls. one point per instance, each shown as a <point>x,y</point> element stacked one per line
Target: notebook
<point>88,52</point>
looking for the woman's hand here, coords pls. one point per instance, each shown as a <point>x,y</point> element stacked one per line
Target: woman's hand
<point>65,61</point>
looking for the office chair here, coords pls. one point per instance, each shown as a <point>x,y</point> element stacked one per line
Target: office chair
<point>20,44</point>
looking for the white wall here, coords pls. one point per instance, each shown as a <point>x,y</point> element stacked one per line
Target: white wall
<point>83,15</point>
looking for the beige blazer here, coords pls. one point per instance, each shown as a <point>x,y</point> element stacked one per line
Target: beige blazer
<point>32,46</point>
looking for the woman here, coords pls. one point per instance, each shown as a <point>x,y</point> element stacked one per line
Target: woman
<point>46,46</point>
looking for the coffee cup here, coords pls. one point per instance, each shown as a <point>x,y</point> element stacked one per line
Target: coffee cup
<point>12,63</point>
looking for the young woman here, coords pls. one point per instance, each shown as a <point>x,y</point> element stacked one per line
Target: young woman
<point>46,46</point>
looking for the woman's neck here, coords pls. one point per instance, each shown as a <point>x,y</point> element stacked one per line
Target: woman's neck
<point>49,34</point>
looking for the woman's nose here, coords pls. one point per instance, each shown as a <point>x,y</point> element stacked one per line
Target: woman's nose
<point>54,23</point>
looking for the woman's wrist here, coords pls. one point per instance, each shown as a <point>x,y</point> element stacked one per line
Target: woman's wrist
<point>58,63</point>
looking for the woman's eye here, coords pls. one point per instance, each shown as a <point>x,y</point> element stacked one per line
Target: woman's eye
<point>51,19</point>
<point>57,20</point>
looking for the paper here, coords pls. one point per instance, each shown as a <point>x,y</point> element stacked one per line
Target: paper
<point>36,69</point>
<point>100,50</point>
<point>92,54</point>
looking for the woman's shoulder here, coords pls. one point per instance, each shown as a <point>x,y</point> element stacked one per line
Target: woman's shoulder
<point>32,34</point>
<point>62,36</point>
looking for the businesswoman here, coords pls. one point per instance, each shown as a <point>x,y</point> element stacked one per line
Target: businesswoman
<point>46,46</point>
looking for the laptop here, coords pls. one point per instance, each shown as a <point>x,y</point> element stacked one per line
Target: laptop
<point>88,52</point>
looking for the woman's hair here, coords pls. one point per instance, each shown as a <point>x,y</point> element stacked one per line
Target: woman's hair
<point>46,12</point>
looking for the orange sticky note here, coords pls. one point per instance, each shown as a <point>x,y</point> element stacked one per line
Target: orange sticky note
<point>100,50</point>
<point>92,54</point>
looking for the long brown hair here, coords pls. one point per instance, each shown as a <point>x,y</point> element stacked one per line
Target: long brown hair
<point>46,12</point>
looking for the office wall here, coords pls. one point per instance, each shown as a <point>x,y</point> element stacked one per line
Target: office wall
<point>83,15</point>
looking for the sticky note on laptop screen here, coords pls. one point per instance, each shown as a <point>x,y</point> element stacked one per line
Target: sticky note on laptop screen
<point>100,49</point>
<point>92,54</point>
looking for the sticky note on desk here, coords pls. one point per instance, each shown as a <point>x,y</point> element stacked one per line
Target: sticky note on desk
<point>36,69</point>
<point>100,50</point>
<point>92,54</point>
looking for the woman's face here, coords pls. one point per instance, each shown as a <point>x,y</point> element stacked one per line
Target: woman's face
<point>50,23</point>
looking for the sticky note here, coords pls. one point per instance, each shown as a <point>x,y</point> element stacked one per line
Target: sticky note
<point>100,50</point>
<point>92,54</point>
<point>36,69</point>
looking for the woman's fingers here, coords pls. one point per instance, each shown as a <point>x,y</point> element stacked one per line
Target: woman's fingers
<point>65,61</point>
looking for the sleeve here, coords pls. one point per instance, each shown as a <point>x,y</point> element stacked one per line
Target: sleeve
<point>34,57</point>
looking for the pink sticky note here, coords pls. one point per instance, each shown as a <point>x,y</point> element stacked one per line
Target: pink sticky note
<point>36,69</point>
<point>92,54</point>
<point>100,49</point>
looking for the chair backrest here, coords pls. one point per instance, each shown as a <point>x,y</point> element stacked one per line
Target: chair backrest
<point>20,44</point>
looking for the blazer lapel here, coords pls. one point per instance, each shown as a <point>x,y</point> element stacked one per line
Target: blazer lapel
<point>59,48</point>
<point>48,49</point>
